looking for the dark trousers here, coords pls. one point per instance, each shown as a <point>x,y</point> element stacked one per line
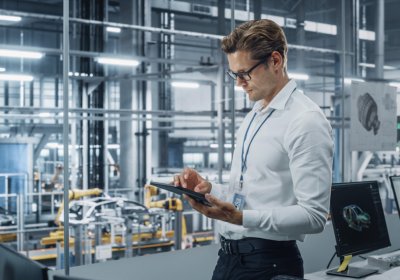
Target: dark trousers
<point>261,263</point>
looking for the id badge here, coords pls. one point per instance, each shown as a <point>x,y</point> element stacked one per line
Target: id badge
<point>238,201</point>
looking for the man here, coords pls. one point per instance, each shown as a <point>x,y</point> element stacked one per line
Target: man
<point>280,178</point>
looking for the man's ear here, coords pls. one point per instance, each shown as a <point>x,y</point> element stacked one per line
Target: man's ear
<point>277,59</point>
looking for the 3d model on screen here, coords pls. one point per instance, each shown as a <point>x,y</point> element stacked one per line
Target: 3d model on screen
<point>356,218</point>
<point>368,112</point>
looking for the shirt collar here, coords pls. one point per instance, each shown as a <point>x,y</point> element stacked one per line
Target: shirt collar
<point>279,101</point>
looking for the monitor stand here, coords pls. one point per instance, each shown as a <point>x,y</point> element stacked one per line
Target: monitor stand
<point>353,272</point>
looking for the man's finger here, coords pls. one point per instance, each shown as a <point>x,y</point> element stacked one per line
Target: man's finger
<point>213,199</point>
<point>176,180</point>
<point>182,181</point>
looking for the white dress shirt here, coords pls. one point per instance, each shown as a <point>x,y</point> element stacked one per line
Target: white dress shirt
<point>287,181</point>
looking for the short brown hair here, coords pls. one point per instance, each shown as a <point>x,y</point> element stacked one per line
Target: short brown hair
<point>259,37</point>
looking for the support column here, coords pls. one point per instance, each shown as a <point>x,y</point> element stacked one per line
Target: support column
<point>301,35</point>
<point>221,95</point>
<point>128,92</point>
<point>257,9</point>
<point>165,93</point>
<point>380,38</point>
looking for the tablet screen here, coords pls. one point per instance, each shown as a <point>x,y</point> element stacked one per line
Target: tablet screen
<point>198,197</point>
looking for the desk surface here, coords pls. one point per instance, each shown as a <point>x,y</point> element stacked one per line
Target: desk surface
<point>195,264</point>
<point>321,275</point>
<point>199,262</point>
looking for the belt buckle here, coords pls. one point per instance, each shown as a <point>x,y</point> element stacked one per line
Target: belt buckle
<point>226,246</point>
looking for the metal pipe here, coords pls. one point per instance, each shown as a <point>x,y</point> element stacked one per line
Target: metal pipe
<point>93,54</point>
<point>107,93</point>
<point>178,230</point>
<point>213,109</point>
<point>380,38</point>
<point>21,83</point>
<point>149,29</point>
<point>221,126</point>
<point>66,131</point>
<point>109,111</point>
<point>232,86</point>
<point>357,37</point>
<point>343,66</point>
<point>20,222</point>
<point>85,141</point>
<point>99,118</point>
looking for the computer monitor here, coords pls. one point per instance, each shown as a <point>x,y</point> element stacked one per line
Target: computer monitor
<point>395,183</point>
<point>358,222</point>
<point>15,266</point>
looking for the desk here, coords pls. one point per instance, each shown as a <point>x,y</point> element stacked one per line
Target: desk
<point>199,262</point>
<point>195,264</point>
<point>317,249</point>
<point>321,275</point>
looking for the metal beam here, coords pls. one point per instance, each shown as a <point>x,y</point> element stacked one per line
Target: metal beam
<point>66,131</point>
<point>43,141</point>
<point>380,38</point>
<point>152,29</point>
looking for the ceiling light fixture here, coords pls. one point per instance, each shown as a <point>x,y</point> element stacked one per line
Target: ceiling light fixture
<point>394,84</point>
<point>215,145</point>
<point>44,114</point>
<point>16,77</point>
<point>348,81</point>
<point>112,29</point>
<point>299,76</point>
<point>117,61</point>
<point>20,54</point>
<point>2,69</point>
<point>185,85</point>
<point>10,18</point>
<point>371,65</point>
<point>366,35</point>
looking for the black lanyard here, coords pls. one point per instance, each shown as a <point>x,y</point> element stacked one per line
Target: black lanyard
<point>244,155</point>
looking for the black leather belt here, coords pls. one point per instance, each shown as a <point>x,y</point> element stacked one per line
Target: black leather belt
<point>251,244</point>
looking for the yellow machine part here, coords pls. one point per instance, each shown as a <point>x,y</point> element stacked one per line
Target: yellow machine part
<point>149,191</point>
<point>58,236</point>
<point>7,237</point>
<point>54,237</point>
<point>76,194</point>
<point>46,254</point>
<point>172,203</point>
<point>106,239</point>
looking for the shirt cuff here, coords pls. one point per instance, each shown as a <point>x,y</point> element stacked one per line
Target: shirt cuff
<point>251,218</point>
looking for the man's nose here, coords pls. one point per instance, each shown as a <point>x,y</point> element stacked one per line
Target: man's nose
<point>240,81</point>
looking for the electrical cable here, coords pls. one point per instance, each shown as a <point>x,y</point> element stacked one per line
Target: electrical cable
<point>330,261</point>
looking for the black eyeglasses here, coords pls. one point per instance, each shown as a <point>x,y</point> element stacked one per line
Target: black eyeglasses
<point>244,75</point>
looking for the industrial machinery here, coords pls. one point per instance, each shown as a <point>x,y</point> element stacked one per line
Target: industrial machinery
<point>122,223</point>
<point>76,194</point>
<point>58,235</point>
<point>6,219</point>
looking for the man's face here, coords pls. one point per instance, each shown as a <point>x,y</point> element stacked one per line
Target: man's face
<point>262,81</point>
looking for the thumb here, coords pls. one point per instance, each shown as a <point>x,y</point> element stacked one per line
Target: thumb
<point>202,187</point>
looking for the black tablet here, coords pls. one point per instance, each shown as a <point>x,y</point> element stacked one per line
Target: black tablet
<point>198,197</point>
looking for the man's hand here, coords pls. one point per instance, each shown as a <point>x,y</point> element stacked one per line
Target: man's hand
<point>191,179</point>
<point>220,210</point>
